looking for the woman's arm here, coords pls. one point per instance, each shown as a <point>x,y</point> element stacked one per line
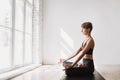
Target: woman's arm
<point>63,60</point>
<point>74,54</point>
<point>82,53</point>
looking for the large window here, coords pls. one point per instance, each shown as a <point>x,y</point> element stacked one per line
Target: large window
<point>19,32</point>
<point>15,33</point>
<point>5,33</point>
<point>23,32</point>
<point>28,32</point>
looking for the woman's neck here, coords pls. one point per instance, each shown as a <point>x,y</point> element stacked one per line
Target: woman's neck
<point>88,36</point>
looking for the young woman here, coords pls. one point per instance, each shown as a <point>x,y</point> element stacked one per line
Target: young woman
<point>85,52</point>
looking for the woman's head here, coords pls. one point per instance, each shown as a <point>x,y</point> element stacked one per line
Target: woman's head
<point>86,27</point>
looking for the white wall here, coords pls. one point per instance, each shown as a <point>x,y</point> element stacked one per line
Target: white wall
<point>62,31</point>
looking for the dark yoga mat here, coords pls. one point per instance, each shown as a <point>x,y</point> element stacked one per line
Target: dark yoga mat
<point>95,76</point>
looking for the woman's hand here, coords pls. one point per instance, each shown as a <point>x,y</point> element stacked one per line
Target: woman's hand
<point>62,60</point>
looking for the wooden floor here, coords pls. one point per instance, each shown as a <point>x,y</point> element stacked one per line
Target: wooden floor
<point>42,73</point>
<point>109,72</point>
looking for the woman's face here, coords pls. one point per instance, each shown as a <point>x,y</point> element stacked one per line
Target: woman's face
<point>85,31</point>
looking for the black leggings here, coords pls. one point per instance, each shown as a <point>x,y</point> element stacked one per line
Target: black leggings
<point>87,69</point>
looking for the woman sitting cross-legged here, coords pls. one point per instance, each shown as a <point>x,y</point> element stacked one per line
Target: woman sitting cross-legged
<point>85,52</point>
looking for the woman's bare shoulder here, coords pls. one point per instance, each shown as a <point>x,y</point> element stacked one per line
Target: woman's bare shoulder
<point>91,41</point>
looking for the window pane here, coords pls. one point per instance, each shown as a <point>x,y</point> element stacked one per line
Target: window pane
<point>5,44</point>
<point>28,23</point>
<point>28,48</point>
<point>19,15</point>
<point>5,13</point>
<point>30,1</point>
<point>18,48</point>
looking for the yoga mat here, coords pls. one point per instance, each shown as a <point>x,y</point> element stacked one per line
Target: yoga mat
<point>95,76</point>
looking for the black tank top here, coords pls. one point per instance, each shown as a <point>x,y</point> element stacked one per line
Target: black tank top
<point>90,51</point>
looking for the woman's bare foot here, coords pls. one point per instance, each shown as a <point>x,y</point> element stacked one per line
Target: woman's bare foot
<point>81,65</point>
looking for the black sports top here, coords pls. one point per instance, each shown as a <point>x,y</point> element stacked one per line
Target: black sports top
<point>90,51</point>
